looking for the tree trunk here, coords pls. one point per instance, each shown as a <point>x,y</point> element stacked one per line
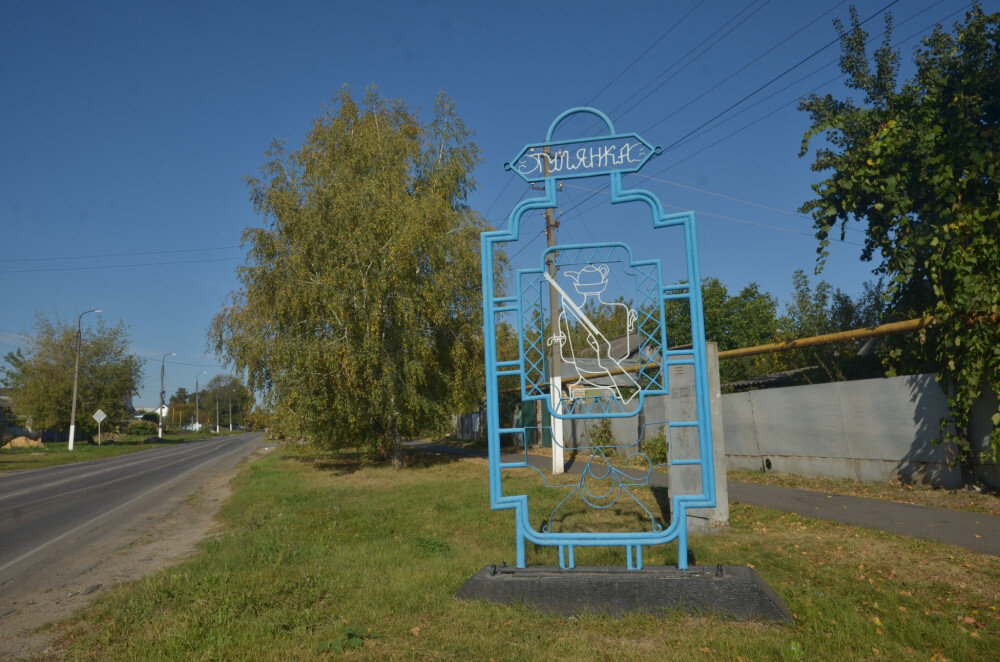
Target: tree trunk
<point>397,447</point>
<point>967,459</point>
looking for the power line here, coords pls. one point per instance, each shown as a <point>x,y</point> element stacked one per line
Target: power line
<point>784,105</point>
<point>731,198</point>
<point>692,60</point>
<point>727,218</point>
<point>497,199</point>
<point>744,67</point>
<point>820,86</point>
<point>30,339</point>
<point>774,79</point>
<point>644,53</point>
<point>193,365</point>
<point>807,76</point>
<point>91,257</point>
<point>117,266</point>
<point>530,242</point>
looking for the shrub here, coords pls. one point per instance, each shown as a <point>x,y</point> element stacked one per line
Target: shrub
<point>141,428</point>
<point>655,447</point>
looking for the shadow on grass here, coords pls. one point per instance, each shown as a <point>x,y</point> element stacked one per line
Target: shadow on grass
<point>418,459</point>
<point>343,463</point>
<point>662,497</point>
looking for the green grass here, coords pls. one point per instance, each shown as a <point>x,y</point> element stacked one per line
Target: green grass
<point>56,452</point>
<point>315,553</point>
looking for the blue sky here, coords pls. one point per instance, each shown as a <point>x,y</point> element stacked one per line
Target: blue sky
<point>126,127</point>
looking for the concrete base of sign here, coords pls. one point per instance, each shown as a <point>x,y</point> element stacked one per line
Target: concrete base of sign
<point>733,590</point>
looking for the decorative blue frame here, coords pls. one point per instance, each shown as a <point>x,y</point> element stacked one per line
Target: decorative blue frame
<point>633,542</point>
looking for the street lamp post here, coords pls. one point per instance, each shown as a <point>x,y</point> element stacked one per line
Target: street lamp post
<point>76,375</point>
<point>159,432</point>
<point>197,403</point>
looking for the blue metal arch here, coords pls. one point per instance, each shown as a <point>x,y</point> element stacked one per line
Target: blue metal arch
<point>633,542</point>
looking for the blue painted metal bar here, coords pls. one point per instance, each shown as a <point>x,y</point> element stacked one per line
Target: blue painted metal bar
<point>613,156</point>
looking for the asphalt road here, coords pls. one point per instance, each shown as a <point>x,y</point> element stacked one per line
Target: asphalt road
<point>57,523</point>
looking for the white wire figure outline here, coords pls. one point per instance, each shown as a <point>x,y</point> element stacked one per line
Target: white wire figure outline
<point>592,281</point>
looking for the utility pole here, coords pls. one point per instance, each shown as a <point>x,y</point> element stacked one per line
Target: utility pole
<point>230,408</point>
<point>197,403</point>
<point>159,433</point>
<point>216,413</point>
<point>555,358</point>
<point>76,374</point>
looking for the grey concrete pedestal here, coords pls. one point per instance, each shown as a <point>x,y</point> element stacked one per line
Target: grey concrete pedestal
<point>734,591</point>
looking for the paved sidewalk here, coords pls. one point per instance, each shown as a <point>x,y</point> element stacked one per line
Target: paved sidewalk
<point>978,532</point>
<point>975,531</point>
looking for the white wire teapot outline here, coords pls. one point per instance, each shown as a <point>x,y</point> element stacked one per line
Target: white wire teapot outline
<point>591,281</point>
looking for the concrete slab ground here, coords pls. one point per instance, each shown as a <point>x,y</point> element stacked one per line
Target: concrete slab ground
<point>978,532</point>
<point>735,591</point>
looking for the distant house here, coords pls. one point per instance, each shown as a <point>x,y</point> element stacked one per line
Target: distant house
<point>8,428</point>
<point>162,411</point>
<point>4,413</point>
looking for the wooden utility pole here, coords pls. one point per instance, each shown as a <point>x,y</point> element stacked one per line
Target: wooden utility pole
<point>555,356</point>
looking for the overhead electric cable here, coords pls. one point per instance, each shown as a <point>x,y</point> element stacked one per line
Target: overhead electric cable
<point>814,89</point>
<point>691,61</point>
<point>497,199</point>
<point>727,218</point>
<point>102,255</point>
<point>644,53</point>
<point>785,105</point>
<point>744,67</point>
<point>774,79</point>
<point>730,197</point>
<point>116,266</point>
<point>809,75</point>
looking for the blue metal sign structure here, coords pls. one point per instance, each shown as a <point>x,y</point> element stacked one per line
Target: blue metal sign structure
<point>615,347</point>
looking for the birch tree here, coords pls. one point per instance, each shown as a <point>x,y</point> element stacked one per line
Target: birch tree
<point>358,317</point>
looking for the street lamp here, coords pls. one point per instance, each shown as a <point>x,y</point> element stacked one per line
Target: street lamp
<point>197,403</point>
<point>159,432</point>
<point>76,375</point>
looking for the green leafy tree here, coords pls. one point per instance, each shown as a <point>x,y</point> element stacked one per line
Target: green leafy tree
<point>818,309</point>
<point>916,164</point>
<point>731,321</point>
<point>359,312</point>
<point>224,394</point>
<point>181,408</point>
<point>40,378</point>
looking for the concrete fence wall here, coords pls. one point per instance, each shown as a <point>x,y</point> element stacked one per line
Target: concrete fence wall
<point>870,430</point>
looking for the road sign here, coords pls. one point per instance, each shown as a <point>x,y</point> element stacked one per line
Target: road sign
<point>99,416</point>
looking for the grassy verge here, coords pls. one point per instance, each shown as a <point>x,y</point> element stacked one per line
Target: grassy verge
<point>56,452</point>
<point>318,556</point>
<point>921,495</point>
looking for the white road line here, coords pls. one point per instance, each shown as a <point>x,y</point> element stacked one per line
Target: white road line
<point>106,482</point>
<point>106,513</point>
<point>122,465</point>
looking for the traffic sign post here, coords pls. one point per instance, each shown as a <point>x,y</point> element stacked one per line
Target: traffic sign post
<point>99,416</point>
